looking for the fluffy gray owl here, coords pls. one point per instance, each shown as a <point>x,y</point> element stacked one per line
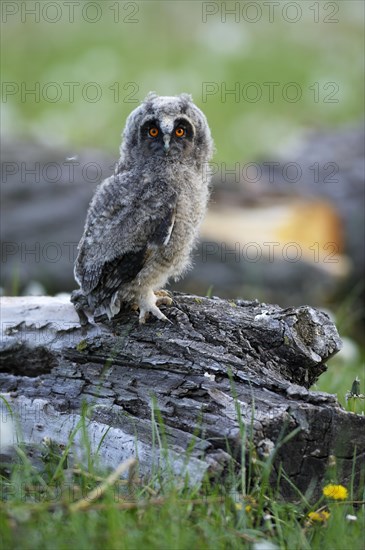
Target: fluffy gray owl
<point>142,222</point>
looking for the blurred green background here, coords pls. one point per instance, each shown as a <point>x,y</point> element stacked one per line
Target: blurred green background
<point>175,46</point>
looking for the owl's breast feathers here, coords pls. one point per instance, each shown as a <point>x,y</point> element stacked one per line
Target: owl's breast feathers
<point>121,237</point>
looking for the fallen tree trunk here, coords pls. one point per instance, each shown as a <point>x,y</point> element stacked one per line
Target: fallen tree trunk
<point>217,360</point>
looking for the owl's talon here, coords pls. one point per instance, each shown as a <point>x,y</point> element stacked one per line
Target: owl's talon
<point>145,313</point>
<point>163,298</point>
<point>164,301</point>
<point>162,293</point>
<point>80,303</point>
<point>143,318</point>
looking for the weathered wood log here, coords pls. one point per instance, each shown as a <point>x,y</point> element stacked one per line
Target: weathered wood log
<point>215,359</point>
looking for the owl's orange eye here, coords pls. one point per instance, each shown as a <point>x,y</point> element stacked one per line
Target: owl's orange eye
<point>179,132</point>
<point>153,132</point>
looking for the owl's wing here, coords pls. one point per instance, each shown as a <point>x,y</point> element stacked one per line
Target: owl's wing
<point>123,228</point>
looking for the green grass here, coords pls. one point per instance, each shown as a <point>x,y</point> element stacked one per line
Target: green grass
<point>339,379</point>
<point>349,364</point>
<point>60,503</point>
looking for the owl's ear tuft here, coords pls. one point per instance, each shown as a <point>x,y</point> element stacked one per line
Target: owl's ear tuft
<point>186,98</point>
<point>150,97</point>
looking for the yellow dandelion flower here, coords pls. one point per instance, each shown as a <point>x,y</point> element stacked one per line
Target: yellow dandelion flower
<point>319,516</point>
<point>337,492</point>
<point>239,506</point>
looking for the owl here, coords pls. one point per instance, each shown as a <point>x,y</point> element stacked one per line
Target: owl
<point>143,221</point>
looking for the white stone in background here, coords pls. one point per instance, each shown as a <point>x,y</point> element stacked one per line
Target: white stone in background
<point>264,545</point>
<point>34,288</point>
<point>349,352</point>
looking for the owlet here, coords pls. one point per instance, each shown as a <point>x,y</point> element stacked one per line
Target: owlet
<point>143,221</point>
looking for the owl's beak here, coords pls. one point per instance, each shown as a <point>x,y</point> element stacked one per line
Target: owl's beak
<point>166,140</point>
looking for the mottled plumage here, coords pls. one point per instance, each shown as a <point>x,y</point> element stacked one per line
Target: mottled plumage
<point>142,222</point>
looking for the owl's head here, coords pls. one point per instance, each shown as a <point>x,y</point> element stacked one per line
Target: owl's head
<point>167,127</point>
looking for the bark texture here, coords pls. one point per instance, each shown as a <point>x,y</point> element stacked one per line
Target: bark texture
<point>216,361</point>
